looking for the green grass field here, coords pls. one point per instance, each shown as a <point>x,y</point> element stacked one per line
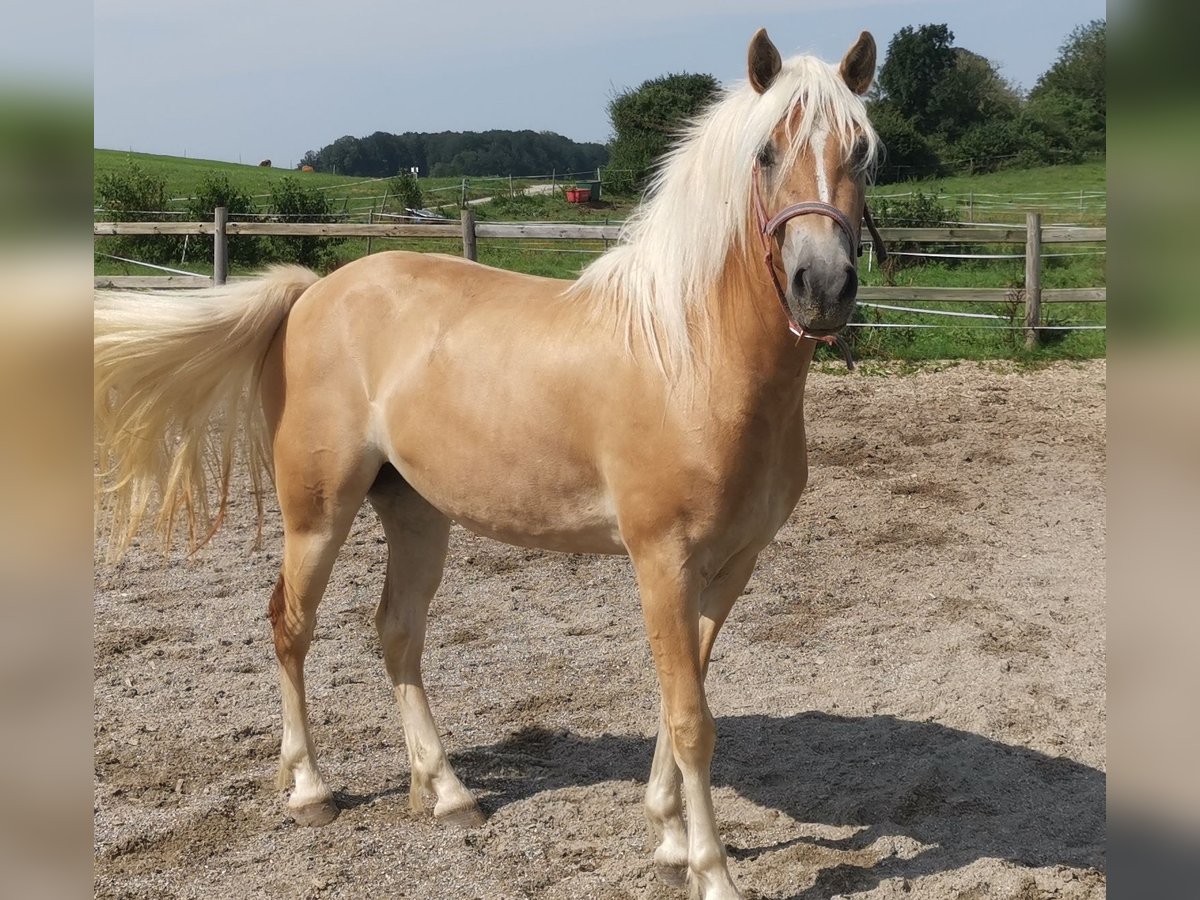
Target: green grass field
<point>562,259</point>
<point>1089,176</point>
<point>1063,194</point>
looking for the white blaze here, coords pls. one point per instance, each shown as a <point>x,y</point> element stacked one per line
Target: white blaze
<point>818,145</point>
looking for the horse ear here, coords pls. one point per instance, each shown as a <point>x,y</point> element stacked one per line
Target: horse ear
<point>764,61</point>
<point>858,66</point>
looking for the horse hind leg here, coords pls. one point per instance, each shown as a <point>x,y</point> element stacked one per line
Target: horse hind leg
<point>417,536</point>
<point>318,497</point>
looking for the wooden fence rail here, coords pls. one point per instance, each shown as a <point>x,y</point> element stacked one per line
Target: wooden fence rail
<point>1034,235</point>
<point>1051,234</point>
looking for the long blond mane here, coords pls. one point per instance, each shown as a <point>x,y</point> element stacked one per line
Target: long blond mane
<point>655,283</point>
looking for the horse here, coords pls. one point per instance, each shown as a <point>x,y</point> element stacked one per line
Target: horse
<point>654,407</point>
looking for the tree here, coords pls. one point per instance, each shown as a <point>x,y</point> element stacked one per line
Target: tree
<point>906,152</point>
<point>943,104</point>
<point>1071,125</point>
<point>1068,103</point>
<point>918,60</point>
<point>647,120</point>
<point>970,93</point>
<point>1079,71</point>
<point>382,155</point>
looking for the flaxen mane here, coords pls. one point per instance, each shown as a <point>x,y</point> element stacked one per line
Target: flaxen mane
<point>672,250</point>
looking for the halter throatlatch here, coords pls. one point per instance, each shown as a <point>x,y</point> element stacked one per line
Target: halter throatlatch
<point>769,227</point>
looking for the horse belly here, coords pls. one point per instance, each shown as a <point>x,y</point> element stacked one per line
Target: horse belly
<point>519,483</point>
<point>521,505</point>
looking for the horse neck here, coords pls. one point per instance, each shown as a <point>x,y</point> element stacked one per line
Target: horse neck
<point>748,332</point>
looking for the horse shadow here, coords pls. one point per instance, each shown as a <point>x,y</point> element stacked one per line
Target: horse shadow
<point>962,796</point>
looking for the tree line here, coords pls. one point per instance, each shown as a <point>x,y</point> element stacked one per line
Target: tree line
<point>938,108</point>
<point>454,153</point>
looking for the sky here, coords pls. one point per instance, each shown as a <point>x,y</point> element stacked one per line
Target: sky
<point>243,80</point>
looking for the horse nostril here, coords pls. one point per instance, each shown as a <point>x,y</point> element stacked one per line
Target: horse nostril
<point>800,283</point>
<point>850,285</point>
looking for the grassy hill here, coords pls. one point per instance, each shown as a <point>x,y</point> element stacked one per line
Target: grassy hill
<point>183,175</point>
<point>351,193</point>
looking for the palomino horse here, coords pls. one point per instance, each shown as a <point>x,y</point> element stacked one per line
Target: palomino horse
<point>652,408</point>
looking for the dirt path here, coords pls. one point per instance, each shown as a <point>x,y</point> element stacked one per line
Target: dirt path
<point>910,696</point>
<point>531,189</point>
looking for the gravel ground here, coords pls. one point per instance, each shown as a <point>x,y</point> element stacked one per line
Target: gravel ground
<point>909,697</point>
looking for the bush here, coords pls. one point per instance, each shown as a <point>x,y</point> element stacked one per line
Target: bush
<point>216,190</point>
<point>1000,144</point>
<point>134,195</point>
<point>405,191</point>
<point>918,210</point>
<point>524,206</point>
<point>1072,126</point>
<point>291,201</point>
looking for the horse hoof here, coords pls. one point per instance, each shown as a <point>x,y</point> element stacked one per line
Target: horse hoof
<point>463,817</point>
<point>314,815</point>
<point>675,876</point>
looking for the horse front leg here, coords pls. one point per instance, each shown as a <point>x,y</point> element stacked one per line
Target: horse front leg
<point>664,798</point>
<point>664,808</point>
<point>671,606</point>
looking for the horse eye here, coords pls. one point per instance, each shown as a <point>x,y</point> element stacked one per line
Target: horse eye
<point>766,156</point>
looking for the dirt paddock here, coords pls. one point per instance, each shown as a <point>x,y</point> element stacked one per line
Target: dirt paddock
<point>909,697</point>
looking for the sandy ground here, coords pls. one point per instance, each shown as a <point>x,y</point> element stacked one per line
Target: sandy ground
<point>909,697</point>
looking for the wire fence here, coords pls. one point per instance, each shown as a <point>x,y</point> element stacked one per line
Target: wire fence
<point>573,240</point>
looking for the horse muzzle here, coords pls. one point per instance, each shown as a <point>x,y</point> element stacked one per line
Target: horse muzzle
<point>821,297</point>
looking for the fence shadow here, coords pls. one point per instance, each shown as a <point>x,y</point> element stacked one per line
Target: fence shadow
<point>964,796</point>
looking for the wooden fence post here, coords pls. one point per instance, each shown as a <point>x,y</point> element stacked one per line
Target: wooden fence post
<point>220,245</point>
<point>470,249</point>
<point>1033,277</point>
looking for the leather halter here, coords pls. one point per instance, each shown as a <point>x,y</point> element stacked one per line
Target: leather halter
<point>769,227</point>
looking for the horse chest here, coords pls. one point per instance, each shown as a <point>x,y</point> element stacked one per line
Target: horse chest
<point>770,496</point>
<point>739,493</point>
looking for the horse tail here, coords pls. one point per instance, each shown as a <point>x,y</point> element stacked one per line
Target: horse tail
<point>176,398</point>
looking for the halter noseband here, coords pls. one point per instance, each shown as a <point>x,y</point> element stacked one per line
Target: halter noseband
<point>769,227</point>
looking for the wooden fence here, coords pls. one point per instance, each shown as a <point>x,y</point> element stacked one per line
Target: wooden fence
<point>1034,236</point>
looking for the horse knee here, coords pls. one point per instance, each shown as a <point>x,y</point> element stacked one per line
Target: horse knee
<point>662,801</point>
<point>694,737</point>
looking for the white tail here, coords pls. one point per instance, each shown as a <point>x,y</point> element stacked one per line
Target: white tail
<point>176,380</point>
